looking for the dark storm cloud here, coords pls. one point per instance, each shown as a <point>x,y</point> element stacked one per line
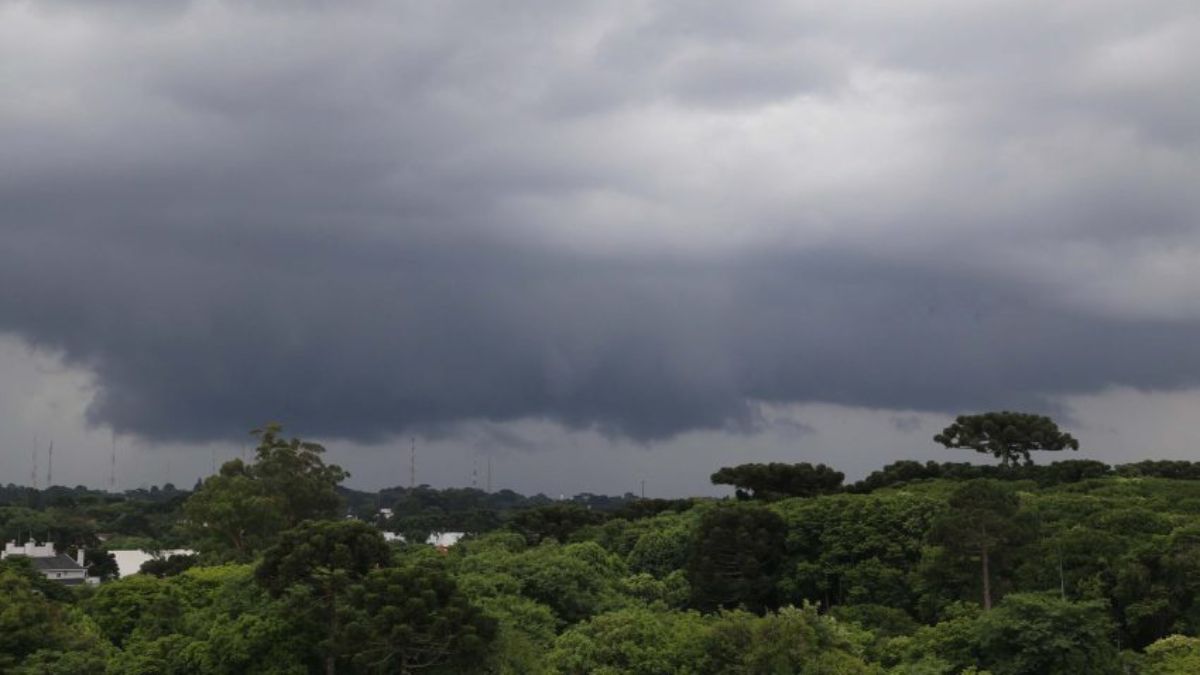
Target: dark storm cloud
<point>380,218</point>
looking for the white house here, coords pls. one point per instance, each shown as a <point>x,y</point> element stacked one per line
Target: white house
<point>54,566</point>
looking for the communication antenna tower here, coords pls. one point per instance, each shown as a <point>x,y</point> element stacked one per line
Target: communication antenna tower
<point>112,467</point>
<point>475,475</point>
<point>50,466</point>
<point>33,473</point>
<point>412,465</point>
<point>489,474</point>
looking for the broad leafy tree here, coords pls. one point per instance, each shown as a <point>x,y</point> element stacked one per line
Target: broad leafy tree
<point>1042,634</point>
<point>1008,436</point>
<point>145,605</point>
<point>240,511</point>
<point>1172,655</point>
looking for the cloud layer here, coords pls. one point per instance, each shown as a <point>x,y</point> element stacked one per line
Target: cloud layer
<point>643,218</point>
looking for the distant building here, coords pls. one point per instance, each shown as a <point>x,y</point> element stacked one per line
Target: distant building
<point>445,539</point>
<point>440,540</point>
<point>52,565</point>
<point>130,561</point>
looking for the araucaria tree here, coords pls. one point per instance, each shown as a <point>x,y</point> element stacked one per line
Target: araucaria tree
<point>779,481</point>
<point>981,521</point>
<point>1009,436</point>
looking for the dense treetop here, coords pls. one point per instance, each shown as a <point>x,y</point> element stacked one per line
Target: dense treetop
<point>1008,436</point>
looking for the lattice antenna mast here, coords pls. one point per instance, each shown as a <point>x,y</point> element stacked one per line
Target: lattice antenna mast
<point>50,465</point>
<point>412,465</point>
<point>33,473</point>
<point>489,474</point>
<point>112,467</point>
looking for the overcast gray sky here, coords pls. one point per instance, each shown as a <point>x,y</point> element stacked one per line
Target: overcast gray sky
<point>599,242</point>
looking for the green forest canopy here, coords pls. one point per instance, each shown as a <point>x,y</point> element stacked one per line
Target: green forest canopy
<point>1075,566</point>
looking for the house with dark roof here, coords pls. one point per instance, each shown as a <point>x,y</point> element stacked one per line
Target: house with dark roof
<point>52,565</point>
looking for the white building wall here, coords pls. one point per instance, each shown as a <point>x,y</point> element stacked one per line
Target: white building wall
<point>29,549</point>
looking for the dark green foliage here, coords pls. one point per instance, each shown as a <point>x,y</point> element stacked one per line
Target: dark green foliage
<point>321,553</point>
<point>100,563</point>
<point>169,566</point>
<point>316,563</point>
<point>981,526</point>
<point>1008,436</point>
<point>1164,468</point>
<point>555,521</point>
<point>414,618</point>
<point>736,558</point>
<point>648,508</point>
<point>779,481</point>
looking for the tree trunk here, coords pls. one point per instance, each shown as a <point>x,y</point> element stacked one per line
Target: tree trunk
<point>987,582</point>
<point>331,658</point>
